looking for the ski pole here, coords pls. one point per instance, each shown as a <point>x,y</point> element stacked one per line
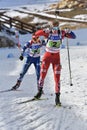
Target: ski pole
<point>69,62</point>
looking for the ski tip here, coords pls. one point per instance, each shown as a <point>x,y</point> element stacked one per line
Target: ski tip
<point>71,84</point>
<point>63,106</point>
<point>32,99</point>
<point>8,90</point>
<point>58,105</point>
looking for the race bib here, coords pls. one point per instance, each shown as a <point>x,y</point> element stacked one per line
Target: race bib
<point>35,51</point>
<point>54,44</point>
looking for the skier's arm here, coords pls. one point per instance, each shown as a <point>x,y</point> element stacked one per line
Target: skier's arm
<point>45,34</point>
<point>42,33</point>
<point>23,50</point>
<point>44,42</point>
<point>69,34</point>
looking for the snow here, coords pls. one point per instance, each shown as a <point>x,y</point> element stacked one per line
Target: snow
<point>40,115</point>
<point>43,115</point>
<point>12,13</point>
<point>81,16</point>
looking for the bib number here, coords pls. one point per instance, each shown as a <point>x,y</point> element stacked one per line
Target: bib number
<point>54,44</point>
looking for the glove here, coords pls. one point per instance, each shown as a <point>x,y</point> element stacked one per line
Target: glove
<point>67,30</point>
<point>21,57</point>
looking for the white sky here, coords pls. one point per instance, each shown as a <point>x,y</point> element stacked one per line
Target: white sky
<point>10,3</point>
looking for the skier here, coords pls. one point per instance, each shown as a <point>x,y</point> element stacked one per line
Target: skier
<point>33,57</point>
<point>52,55</point>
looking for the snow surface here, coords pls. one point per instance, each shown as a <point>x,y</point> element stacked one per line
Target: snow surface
<point>43,115</point>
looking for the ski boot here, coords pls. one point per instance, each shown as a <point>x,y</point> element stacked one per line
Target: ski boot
<point>17,85</point>
<point>57,99</point>
<point>38,87</point>
<point>39,93</point>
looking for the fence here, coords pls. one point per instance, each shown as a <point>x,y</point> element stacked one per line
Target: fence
<point>8,22</point>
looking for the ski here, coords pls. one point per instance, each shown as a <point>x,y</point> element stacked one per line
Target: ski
<point>8,90</point>
<point>33,99</point>
<point>62,106</point>
<point>58,105</point>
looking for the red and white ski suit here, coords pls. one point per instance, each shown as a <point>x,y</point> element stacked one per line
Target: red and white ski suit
<point>51,56</point>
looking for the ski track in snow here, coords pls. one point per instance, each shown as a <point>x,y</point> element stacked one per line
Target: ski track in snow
<point>41,115</point>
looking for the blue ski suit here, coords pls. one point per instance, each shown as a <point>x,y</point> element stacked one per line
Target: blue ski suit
<point>33,57</point>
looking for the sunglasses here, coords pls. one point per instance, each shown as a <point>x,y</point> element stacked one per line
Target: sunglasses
<point>55,28</point>
<point>35,39</point>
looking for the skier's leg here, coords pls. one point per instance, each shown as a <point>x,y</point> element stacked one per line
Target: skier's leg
<point>37,69</point>
<point>57,70</point>
<point>25,68</point>
<point>44,68</point>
